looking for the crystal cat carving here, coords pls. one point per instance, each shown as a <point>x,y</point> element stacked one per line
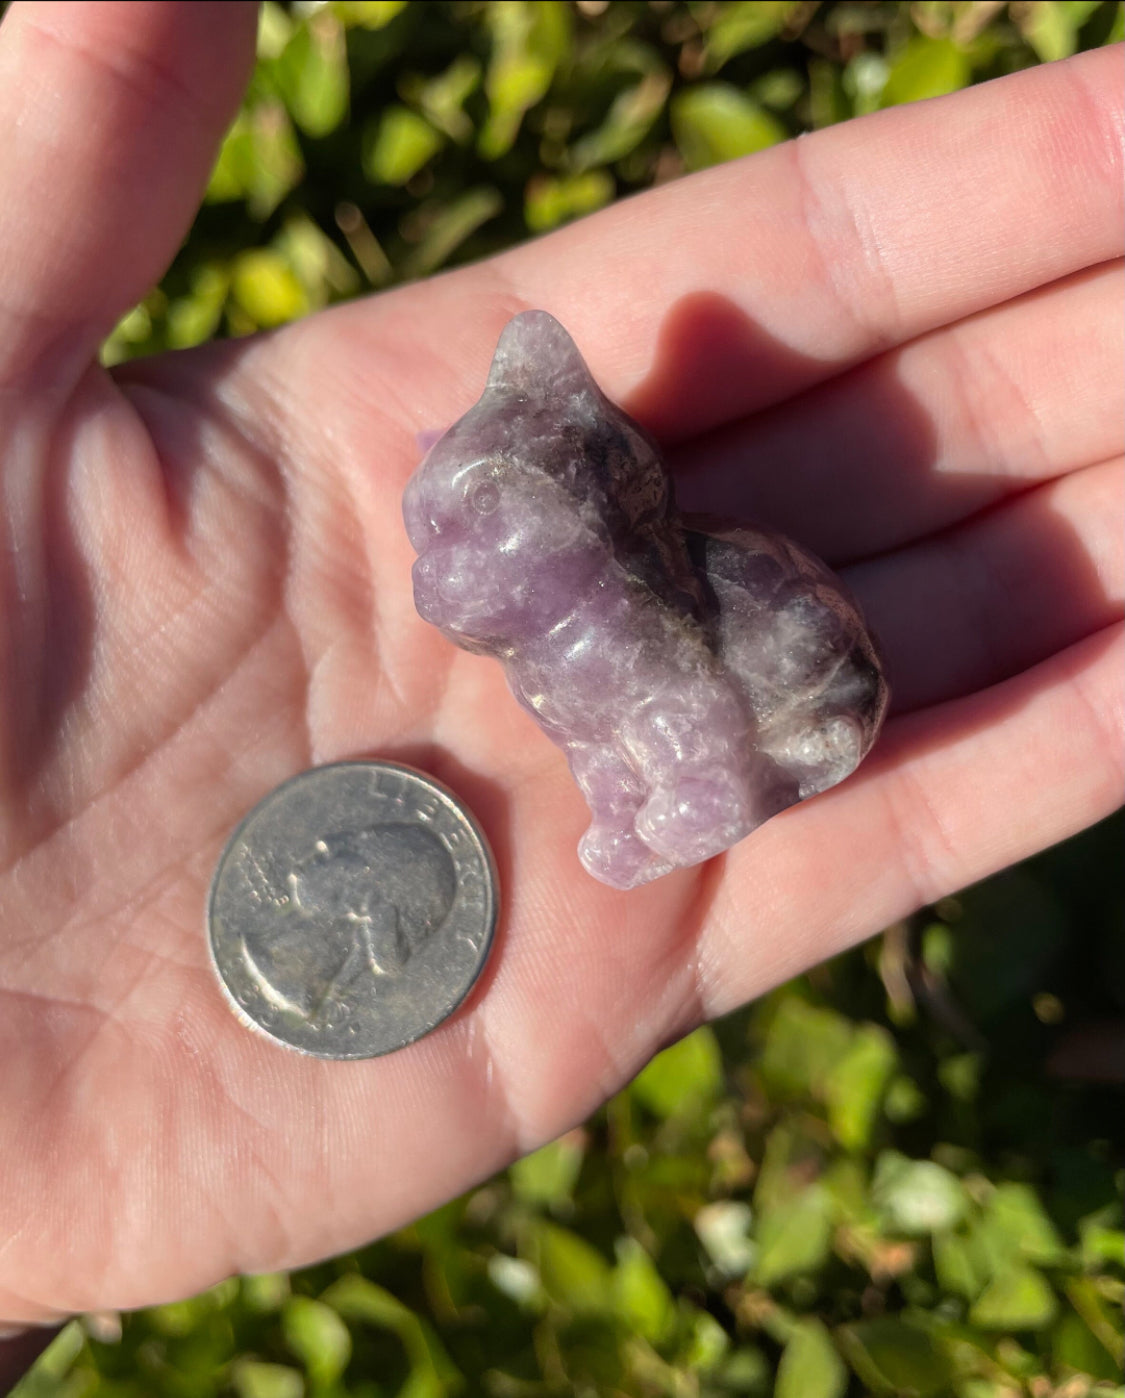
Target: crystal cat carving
<point>698,680</point>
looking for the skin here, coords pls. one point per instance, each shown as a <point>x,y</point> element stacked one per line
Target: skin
<point>898,340</point>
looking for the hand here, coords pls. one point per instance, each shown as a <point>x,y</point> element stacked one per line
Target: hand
<point>899,339</point>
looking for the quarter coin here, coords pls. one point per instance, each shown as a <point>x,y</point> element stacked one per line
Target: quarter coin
<point>353,909</point>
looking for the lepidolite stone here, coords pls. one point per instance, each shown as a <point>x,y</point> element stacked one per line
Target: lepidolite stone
<point>700,680</point>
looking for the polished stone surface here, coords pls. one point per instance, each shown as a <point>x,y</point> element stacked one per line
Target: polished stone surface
<point>699,679</point>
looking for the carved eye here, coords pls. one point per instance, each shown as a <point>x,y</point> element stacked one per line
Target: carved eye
<point>485,497</point>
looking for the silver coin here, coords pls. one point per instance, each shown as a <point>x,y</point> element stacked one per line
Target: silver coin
<point>353,909</point>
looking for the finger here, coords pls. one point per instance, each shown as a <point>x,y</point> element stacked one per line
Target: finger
<point>712,297</point>
<point>925,435</point>
<point>760,277</point>
<point>110,115</point>
<point>978,604</point>
<point>950,796</point>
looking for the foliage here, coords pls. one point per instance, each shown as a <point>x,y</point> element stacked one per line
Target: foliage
<point>383,139</point>
<point>887,1177</point>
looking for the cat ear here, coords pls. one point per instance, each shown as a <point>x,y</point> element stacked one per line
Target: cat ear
<point>538,360</point>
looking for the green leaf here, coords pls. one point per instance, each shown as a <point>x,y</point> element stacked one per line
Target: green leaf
<point>371,14</point>
<point>516,1279</point>
<point>548,1175</point>
<point>550,201</point>
<point>267,289</point>
<point>311,74</point>
<point>1103,1245</point>
<point>640,1296</point>
<point>195,318</point>
<point>926,68</point>
<point>1104,1320</point>
<point>1051,26</point>
<point>442,99</point>
<point>399,146</point>
<point>529,40</point>
<point>855,1084</point>
<point>448,227</point>
<point>745,24</point>
<point>905,1100</point>
<point>707,1341</point>
<point>828,100</point>
<point>253,1379</point>
<point>715,122</point>
<point>793,1237</point>
<point>958,1265</point>
<point>259,161</point>
<point>432,1373</point>
<point>685,1078</point>
<point>318,1337</point>
<point>1074,1347</point>
<point>573,1271</point>
<point>894,1357</point>
<point>863,81</point>
<point>135,325</point>
<point>319,264</point>
<point>47,1377</point>
<point>628,122</point>
<point>1099,1239</point>
<point>135,333</point>
<point>1012,1229</point>
<point>986,1388</point>
<point>723,1228</point>
<point>265,1292</point>
<point>178,1318</point>
<point>1015,1215</point>
<point>746,1370</point>
<point>803,1046</point>
<point>355,1298</point>
<point>792,1157</point>
<point>275,29</point>
<point>916,1196</point>
<point>960,1075</point>
<point>810,1365</point>
<point>778,89</point>
<point>1018,1299</point>
<point>846,1181</point>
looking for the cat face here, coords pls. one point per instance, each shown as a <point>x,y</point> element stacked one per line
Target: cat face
<point>508,528</point>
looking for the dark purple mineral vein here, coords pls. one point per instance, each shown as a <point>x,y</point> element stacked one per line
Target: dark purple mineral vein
<point>699,680</point>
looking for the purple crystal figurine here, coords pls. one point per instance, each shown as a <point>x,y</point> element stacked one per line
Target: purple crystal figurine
<point>699,680</point>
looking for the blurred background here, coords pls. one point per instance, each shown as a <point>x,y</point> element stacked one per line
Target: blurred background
<point>897,1175</point>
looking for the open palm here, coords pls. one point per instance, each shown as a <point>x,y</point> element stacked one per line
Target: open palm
<point>898,340</point>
